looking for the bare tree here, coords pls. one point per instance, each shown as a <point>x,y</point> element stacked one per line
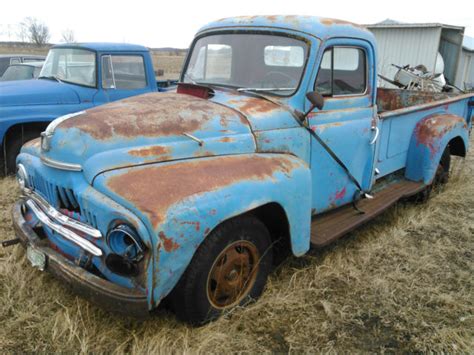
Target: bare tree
<point>68,36</point>
<point>34,31</point>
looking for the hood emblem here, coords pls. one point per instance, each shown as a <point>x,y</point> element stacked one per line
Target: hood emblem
<point>48,134</point>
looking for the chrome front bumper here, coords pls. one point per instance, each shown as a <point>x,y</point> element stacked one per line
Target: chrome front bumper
<point>113,297</point>
<point>62,224</point>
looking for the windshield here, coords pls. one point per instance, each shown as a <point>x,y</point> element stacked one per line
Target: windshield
<point>248,61</point>
<point>76,66</point>
<point>18,72</point>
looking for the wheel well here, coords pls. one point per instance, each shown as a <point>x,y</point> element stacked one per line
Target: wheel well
<point>273,216</point>
<point>23,130</point>
<point>457,147</point>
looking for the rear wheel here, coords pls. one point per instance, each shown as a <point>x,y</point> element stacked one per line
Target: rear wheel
<point>229,269</point>
<point>441,177</point>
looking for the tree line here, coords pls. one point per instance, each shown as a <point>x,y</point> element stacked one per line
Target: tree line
<point>35,31</point>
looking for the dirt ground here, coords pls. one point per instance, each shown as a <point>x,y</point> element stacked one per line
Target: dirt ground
<point>401,283</point>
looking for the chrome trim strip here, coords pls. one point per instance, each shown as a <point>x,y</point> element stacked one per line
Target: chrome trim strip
<point>66,233</point>
<point>60,165</point>
<point>52,126</point>
<point>49,132</point>
<point>190,136</point>
<point>62,218</point>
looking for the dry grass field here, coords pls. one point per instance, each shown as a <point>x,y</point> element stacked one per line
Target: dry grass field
<point>401,283</point>
<point>169,63</point>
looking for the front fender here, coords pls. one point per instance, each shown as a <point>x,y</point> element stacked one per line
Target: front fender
<point>430,137</point>
<point>182,202</point>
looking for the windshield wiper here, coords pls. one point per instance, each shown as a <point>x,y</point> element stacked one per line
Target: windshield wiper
<point>265,89</point>
<point>50,77</point>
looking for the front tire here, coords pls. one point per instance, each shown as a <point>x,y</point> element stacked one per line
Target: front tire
<point>229,269</point>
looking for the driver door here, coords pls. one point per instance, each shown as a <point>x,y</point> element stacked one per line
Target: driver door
<point>347,124</point>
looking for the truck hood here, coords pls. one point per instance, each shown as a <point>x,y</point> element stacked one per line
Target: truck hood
<point>149,128</point>
<point>36,92</point>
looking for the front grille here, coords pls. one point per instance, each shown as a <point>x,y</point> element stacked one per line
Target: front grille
<point>62,197</point>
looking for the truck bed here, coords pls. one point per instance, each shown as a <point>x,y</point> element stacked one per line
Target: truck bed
<point>401,110</point>
<point>395,99</point>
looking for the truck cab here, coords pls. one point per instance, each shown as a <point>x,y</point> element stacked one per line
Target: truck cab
<point>74,77</point>
<point>275,141</point>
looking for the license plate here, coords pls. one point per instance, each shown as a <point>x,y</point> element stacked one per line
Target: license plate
<point>36,258</point>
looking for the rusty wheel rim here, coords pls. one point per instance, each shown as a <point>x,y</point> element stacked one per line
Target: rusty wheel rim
<point>232,274</point>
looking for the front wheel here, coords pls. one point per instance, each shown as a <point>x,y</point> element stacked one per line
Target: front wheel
<point>230,268</point>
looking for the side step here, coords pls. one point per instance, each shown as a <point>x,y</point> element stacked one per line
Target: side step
<point>332,225</point>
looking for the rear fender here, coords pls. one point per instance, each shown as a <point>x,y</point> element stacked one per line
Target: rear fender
<point>430,138</point>
<point>182,202</point>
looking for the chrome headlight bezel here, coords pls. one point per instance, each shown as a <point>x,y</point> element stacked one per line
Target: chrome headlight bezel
<point>123,236</point>
<point>22,176</point>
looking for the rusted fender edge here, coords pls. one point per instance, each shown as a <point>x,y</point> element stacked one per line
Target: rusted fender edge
<point>182,202</point>
<point>430,137</point>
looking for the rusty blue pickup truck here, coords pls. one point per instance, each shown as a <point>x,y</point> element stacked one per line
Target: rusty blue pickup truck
<point>276,140</point>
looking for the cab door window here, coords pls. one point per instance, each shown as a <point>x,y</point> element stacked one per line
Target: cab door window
<point>343,71</point>
<point>123,72</point>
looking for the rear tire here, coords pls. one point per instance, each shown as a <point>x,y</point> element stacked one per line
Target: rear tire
<point>229,269</point>
<point>440,179</point>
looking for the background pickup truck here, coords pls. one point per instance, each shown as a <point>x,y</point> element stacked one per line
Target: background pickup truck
<point>74,77</point>
<point>276,140</point>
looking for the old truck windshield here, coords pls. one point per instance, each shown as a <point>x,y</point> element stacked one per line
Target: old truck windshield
<point>76,66</point>
<point>250,61</point>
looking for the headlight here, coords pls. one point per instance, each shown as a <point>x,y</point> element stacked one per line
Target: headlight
<point>124,241</point>
<point>22,176</point>
<point>127,251</point>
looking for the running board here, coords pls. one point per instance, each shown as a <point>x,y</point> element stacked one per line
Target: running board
<point>332,225</point>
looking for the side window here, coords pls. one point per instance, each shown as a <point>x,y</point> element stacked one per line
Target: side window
<point>125,72</point>
<point>15,61</point>
<point>342,72</point>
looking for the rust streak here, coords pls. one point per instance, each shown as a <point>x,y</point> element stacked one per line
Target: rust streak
<point>150,151</point>
<point>35,143</point>
<point>154,189</point>
<point>226,140</point>
<point>150,115</point>
<point>332,21</point>
<point>168,243</point>
<point>254,106</point>
<point>428,131</point>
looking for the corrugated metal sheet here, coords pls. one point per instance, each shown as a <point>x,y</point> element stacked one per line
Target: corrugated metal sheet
<point>404,46</point>
<point>465,77</point>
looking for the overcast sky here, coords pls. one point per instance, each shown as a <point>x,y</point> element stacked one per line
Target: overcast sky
<point>173,23</point>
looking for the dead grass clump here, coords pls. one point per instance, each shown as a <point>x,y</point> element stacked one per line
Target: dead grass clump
<point>402,283</point>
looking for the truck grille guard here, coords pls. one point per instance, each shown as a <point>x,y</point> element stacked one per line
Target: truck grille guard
<point>61,223</point>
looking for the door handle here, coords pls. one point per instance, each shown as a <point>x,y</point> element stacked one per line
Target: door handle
<point>377,131</point>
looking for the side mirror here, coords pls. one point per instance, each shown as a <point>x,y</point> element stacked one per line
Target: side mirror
<point>317,101</point>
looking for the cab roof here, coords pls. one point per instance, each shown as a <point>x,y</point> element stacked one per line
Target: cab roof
<point>104,46</point>
<point>320,27</point>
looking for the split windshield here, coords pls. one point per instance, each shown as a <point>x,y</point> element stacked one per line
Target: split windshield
<point>259,62</point>
<point>76,66</point>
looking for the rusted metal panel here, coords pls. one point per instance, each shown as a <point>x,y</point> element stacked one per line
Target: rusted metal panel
<point>430,137</point>
<point>182,202</point>
<point>175,182</point>
<point>332,225</point>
